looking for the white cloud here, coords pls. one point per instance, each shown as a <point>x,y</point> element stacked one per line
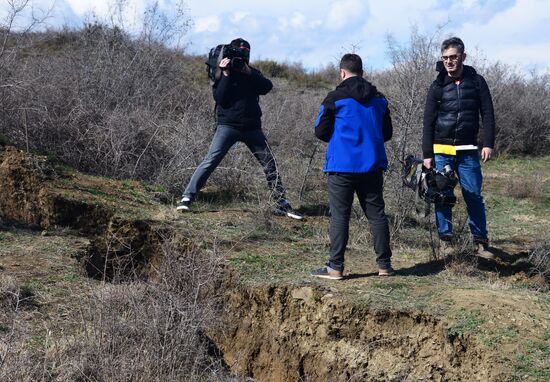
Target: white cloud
<point>397,16</point>
<point>517,35</point>
<point>239,16</point>
<point>345,13</point>
<point>468,3</point>
<point>298,20</point>
<point>525,56</point>
<point>82,7</point>
<point>208,24</point>
<point>315,24</point>
<point>315,32</point>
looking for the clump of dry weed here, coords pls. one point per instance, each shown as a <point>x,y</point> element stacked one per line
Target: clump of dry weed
<point>9,292</point>
<point>134,331</point>
<point>540,260</point>
<point>530,187</point>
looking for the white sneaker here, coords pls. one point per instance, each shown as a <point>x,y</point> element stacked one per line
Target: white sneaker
<point>284,209</point>
<point>184,204</point>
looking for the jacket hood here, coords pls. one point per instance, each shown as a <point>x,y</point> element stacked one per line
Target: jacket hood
<point>358,88</point>
<point>443,77</point>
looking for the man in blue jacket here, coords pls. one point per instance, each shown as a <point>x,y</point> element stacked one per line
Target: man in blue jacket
<point>355,121</point>
<point>239,120</point>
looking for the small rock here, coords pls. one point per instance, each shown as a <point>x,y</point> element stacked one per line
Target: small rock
<point>305,293</point>
<point>327,296</point>
<point>321,332</point>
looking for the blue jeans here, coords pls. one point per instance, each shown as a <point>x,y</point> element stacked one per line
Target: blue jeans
<point>466,165</point>
<point>224,138</point>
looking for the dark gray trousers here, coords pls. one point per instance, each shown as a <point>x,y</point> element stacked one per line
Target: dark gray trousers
<point>369,188</point>
<point>224,138</point>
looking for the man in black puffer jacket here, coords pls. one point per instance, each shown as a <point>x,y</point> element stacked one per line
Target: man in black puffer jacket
<point>451,122</point>
<point>239,120</point>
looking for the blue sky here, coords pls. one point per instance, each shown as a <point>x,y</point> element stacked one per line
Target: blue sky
<point>316,32</point>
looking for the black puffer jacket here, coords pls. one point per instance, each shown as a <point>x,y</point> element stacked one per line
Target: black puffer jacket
<point>451,115</point>
<point>237,98</point>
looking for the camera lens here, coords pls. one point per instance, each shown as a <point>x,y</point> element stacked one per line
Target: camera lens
<point>237,64</point>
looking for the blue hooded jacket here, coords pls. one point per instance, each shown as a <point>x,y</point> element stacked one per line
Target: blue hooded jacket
<point>355,121</point>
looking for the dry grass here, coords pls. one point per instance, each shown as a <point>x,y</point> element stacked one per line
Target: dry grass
<point>9,292</point>
<point>540,259</point>
<point>137,331</point>
<point>525,187</point>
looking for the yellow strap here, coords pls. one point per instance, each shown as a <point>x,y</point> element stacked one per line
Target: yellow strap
<point>444,149</point>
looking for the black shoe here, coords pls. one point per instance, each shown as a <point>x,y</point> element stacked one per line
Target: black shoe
<point>284,209</point>
<point>325,273</point>
<point>184,204</point>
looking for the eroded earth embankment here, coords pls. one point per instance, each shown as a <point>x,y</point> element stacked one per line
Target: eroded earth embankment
<point>285,333</point>
<point>125,241</point>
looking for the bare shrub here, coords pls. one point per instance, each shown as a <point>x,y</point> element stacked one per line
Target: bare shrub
<point>10,305</point>
<point>522,109</point>
<point>296,74</point>
<point>405,85</point>
<point>540,260</point>
<point>9,292</point>
<point>531,187</point>
<point>108,102</point>
<point>20,16</point>
<point>289,123</point>
<point>154,331</point>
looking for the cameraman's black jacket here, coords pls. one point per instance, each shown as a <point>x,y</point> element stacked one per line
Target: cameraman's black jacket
<point>451,115</point>
<point>237,97</point>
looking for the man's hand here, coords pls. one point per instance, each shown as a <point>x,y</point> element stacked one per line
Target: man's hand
<point>486,154</point>
<point>224,66</point>
<point>428,162</point>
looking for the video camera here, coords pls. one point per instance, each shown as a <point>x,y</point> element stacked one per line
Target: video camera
<point>238,57</point>
<point>430,185</point>
<point>437,184</point>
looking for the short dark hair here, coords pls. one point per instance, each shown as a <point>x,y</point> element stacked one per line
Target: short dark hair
<point>453,42</point>
<point>352,63</point>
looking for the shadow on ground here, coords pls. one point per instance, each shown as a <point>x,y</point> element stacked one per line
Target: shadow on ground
<point>505,265</point>
<point>315,210</point>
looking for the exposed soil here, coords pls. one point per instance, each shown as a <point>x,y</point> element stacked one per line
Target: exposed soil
<point>34,193</point>
<point>311,334</point>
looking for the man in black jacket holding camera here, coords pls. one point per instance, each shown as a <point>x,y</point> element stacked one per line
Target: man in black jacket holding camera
<point>239,120</point>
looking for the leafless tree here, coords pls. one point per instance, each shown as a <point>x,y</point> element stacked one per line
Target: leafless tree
<point>21,17</point>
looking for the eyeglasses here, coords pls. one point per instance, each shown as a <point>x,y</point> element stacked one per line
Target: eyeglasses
<point>453,57</point>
